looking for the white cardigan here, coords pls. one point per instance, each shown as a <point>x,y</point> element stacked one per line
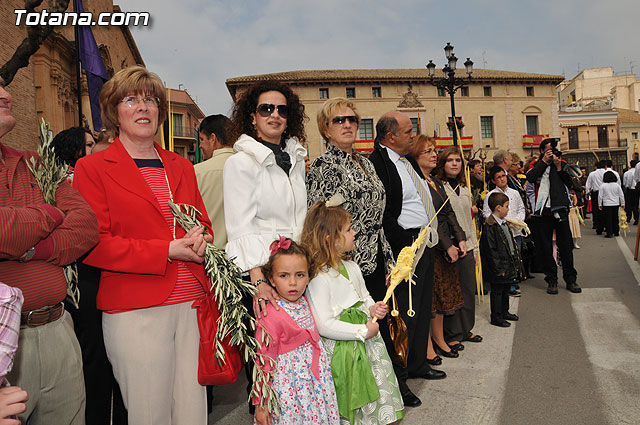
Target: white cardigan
<point>261,201</point>
<point>330,293</point>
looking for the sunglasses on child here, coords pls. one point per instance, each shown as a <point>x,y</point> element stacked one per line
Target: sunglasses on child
<point>265,110</point>
<point>341,119</point>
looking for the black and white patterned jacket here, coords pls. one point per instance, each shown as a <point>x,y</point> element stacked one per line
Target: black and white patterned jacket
<point>356,180</point>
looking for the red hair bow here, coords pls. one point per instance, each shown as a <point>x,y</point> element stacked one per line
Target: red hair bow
<point>283,243</point>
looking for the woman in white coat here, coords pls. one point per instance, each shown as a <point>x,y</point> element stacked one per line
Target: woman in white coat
<point>264,182</point>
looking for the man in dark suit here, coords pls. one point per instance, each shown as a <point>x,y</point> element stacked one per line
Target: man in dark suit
<point>408,208</point>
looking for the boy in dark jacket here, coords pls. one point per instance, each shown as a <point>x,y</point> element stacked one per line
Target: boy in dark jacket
<point>501,265</point>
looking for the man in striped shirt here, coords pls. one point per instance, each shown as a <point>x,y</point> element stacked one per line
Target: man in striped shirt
<point>36,241</point>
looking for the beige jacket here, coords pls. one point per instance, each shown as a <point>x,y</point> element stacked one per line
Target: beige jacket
<point>209,176</point>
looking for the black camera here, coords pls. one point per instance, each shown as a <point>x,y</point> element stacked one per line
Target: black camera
<point>553,141</point>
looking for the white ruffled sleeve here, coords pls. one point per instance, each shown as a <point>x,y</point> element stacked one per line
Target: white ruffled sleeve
<point>245,246</point>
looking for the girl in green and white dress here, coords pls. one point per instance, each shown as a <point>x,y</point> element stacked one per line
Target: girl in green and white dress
<point>366,385</point>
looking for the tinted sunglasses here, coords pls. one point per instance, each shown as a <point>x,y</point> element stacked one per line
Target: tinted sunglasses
<point>341,119</point>
<point>266,110</point>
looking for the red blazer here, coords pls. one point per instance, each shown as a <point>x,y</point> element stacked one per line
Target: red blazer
<point>134,237</point>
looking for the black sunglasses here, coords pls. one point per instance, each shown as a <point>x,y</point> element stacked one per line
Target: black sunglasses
<point>340,119</point>
<point>266,109</point>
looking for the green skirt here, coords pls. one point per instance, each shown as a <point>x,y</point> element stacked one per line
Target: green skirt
<point>389,407</point>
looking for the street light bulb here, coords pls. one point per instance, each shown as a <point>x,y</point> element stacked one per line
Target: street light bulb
<point>469,65</point>
<point>432,68</point>
<point>452,62</point>
<point>448,50</point>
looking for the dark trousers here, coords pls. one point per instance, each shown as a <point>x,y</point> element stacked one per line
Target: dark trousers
<point>100,385</point>
<point>545,225</point>
<point>598,222</point>
<point>611,219</point>
<point>631,204</point>
<point>418,325</point>
<point>458,326</point>
<point>499,300</point>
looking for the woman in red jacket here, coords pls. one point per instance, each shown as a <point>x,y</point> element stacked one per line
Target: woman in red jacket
<point>151,269</point>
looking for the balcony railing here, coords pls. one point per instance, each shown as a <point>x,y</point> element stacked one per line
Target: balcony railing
<point>184,132</point>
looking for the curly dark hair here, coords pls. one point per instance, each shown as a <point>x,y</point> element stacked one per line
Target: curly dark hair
<point>247,103</point>
<point>69,145</point>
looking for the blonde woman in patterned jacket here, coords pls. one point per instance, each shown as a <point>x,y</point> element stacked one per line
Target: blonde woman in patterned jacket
<point>342,170</point>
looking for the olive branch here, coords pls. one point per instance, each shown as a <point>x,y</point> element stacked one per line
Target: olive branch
<point>49,173</point>
<point>229,288</point>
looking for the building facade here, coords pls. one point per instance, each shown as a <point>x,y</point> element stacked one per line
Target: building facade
<point>185,119</point>
<point>595,87</point>
<point>47,87</point>
<point>599,117</point>
<point>499,109</point>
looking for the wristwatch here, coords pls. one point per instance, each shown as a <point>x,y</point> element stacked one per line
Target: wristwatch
<point>28,255</point>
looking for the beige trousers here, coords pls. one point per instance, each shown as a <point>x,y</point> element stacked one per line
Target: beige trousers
<point>154,354</point>
<point>48,366</point>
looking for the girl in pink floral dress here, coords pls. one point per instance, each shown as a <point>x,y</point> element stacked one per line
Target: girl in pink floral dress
<point>302,374</point>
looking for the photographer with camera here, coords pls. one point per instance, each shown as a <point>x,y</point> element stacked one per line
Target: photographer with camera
<point>552,181</point>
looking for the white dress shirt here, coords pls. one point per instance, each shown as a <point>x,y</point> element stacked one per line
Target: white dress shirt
<point>413,214</point>
<point>629,179</point>
<point>516,207</point>
<point>610,195</point>
<point>594,180</point>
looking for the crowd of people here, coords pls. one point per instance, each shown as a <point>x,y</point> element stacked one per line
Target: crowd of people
<point>317,240</point>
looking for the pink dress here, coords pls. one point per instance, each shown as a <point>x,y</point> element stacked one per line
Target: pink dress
<point>304,398</point>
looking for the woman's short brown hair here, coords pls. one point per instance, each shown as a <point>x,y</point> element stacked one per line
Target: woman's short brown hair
<point>134,79</point>
<point>328,111</point>
<point>419,144</point>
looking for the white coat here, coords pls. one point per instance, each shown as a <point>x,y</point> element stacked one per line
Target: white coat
<point>261,201</point>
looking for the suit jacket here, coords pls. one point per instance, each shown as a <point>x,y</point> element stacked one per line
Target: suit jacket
<point>209,175</point>
<point>134,237</point>
<point>397,236</point>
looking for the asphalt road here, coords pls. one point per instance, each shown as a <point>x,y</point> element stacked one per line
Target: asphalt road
<point>571,359</point>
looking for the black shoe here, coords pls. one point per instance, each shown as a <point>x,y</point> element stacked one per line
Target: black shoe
<point>457,347</point>
<point>574,287</point>
<point>433,374</point>
<point>410,399</point>
<point>452,354</point>
<point>552,288</point>
<point>514,293</point>
<point>511,317</point>
<point>599,233</point>
<point>608,236</point>
<point>501,323</point>
<point>436,361</point>
<point>474,338</point>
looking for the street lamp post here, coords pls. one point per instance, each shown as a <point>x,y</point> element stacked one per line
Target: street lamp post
<point>450,83</point>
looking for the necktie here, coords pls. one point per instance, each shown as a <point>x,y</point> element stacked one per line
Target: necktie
<point>422,191</point>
